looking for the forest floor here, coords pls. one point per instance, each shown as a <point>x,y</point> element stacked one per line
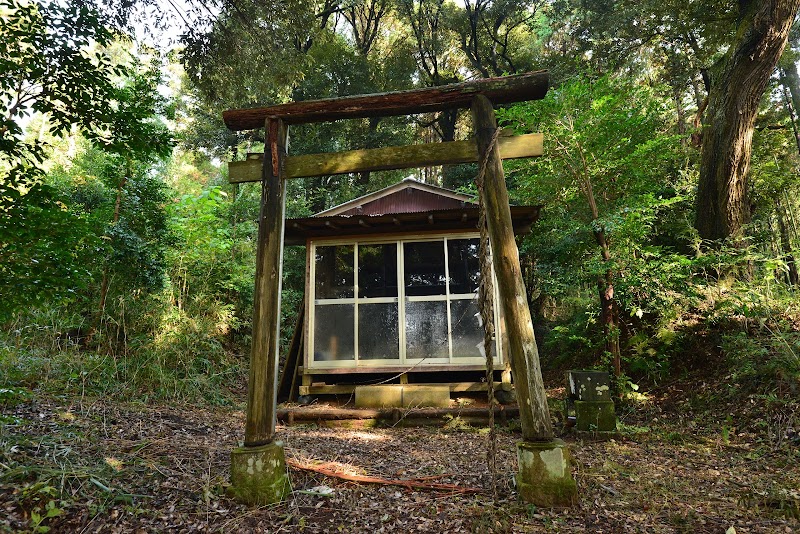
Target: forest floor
<point>81,465</point>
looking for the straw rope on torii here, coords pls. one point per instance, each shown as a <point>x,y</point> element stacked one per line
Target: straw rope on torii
<point>486,306</point>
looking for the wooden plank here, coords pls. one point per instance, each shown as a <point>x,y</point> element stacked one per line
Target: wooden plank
<point>388,158</point>
<point>334,414</point>
<point>504,90</point>
<point>293,389</point>
<point>263,377</point>
<point>288,375</point>
<point>244,171</point>
<point>346,389</point>
<point>389,226</point>
<point>406,157</point>
<point>307,323</point>
<point>524,355</point>
<point>316,371</point>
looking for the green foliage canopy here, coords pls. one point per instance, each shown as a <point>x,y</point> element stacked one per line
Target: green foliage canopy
<point>55,61</point>
<point>52,62</point>
<point>608,138</point>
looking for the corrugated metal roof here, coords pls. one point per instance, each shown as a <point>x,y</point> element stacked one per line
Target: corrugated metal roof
<point>297,231</point>
<point>436,198</point>
<point>409,200</point>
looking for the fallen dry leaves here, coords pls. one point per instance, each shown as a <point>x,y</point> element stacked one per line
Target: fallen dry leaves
<point>135,468</point>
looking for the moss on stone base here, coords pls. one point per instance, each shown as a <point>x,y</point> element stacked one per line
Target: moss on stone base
<point>595,415</point>
<point>545,477</point>
<point>258,474</point>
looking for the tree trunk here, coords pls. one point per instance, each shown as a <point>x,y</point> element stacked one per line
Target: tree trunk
<point>605,283</point>
<point>736,91</point>
<point>372,133</point>
<point>608,315</point>
<point>114,220</point>
<point>447,130</point>
<point>790,80</point>
<point>786,246</point>
<point>680,111</point>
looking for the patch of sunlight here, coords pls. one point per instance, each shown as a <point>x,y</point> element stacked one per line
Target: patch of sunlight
<point>173,323</point>
<point>368,436</point>
<point>114,463</point>
<point>637,397</point>
<point>621,448</point>
<point>225,317</point>
<point>66,416</point>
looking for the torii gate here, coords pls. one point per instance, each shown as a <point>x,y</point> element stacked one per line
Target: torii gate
<point>258,470</point>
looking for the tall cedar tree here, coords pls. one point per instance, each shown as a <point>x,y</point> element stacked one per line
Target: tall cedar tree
<point>736,91</point>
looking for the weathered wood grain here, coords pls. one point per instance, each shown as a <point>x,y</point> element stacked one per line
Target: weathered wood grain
<point>396,157</point>
<point>455,387</point>
<point>524,355</point>
<point>263,378</point>
<point>519,88</point>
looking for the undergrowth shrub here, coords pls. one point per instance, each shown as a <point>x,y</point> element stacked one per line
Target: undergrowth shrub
<point>765,361</point>
<point>152,351</point>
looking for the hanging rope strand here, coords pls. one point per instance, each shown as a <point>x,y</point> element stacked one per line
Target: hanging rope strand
<point>486,306</point>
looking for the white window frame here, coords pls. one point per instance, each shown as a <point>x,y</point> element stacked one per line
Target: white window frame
<point>400,299</point>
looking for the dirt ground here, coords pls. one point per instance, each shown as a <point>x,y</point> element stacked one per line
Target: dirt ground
<point>89,466</point>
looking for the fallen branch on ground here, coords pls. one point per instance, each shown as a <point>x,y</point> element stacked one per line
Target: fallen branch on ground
<point>332,469</point>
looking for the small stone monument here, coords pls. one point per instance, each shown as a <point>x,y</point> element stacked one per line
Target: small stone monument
<point>589,396</point>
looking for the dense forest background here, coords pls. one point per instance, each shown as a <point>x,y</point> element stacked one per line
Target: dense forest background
<point>127,260</point>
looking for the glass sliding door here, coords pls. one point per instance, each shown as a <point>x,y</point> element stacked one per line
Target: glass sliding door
<point>464,278</point>
<point>334,303</point>
<point>426,322</point>
<point>411,301</point>
<point>378,303</point>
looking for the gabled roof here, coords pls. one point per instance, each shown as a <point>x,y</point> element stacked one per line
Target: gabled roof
<point>408,207</point>
<point>408,196</point>
<point>465,219</point>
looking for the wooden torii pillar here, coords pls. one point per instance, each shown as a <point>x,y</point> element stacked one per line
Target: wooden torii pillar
<point>258,471</point>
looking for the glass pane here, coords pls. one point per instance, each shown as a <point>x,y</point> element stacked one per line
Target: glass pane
<point>467,329</point>
<point>377,270</point>
<point>378,334</point>
<point>426,330</point>
<point>333,332</point>
<point>424,268</point>
<point>462,260</point>
<point>334,272</point>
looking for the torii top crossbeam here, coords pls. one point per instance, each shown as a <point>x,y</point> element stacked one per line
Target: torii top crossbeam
<point>505,90</point>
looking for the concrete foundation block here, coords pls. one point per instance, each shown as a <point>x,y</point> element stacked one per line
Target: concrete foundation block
<point>545,476</point>
<point>596,416</point>
<point>258,474</point>
<point>426,396</point>
<point>402,396</point>
<point>383,396</point>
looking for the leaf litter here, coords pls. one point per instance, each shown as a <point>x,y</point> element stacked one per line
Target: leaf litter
<point>134,468</point>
